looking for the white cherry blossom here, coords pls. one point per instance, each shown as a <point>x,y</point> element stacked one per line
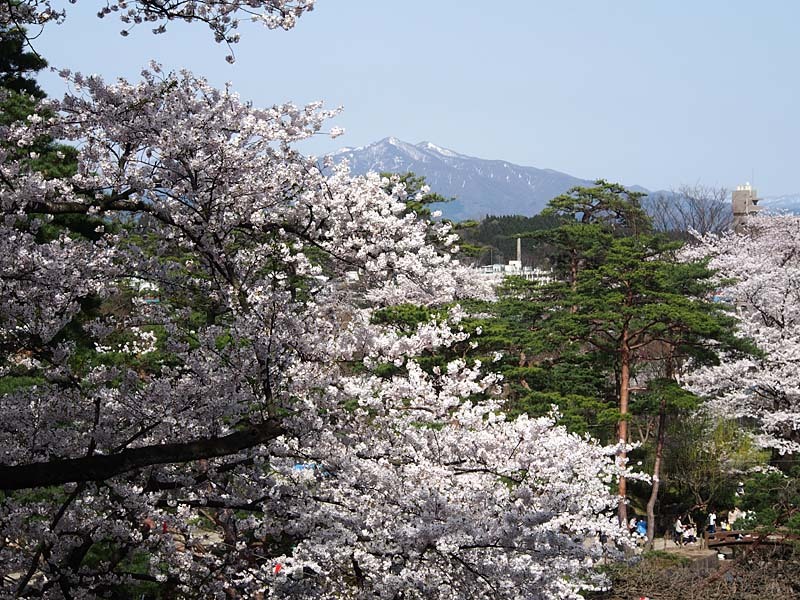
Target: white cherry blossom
<point>203,383</point>
<point>759,273</point>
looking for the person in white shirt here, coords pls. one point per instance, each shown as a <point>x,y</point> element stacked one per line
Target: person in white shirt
<point>689,535</point>
<point>712,522</point>
<point>678,528</point>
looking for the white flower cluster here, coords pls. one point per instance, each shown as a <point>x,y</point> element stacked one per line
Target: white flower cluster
<point>266,449</point>
<point>141,342</point>
<point>222,17</point>
<point>759,275</point>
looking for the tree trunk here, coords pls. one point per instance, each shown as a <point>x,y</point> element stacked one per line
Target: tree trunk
<point>660,437</point>
<point>622,428</point>
<point>573,274</point>
<point>651,502</point>
<point>573,271</point>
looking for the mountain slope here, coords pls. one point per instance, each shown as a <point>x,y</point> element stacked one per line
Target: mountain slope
<point>486,187</point>
<point>481,187</point>
<point>786,203</point>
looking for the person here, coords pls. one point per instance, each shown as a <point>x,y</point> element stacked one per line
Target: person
<point>735,515</point>
<point>677,531</point>
<point>641,528</point>
<point>689,535</point>
<point>632,524</point>
<point>712,522</point>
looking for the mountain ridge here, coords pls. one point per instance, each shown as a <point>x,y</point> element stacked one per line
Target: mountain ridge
<point>479,186</point>
<point>482,187</point>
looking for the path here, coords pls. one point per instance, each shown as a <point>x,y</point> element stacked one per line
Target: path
<point>701,558</point>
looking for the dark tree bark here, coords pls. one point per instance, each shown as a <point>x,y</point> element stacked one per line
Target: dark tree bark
<point>101,467</point>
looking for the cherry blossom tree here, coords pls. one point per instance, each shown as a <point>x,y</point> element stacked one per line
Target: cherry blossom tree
<point>196,395</point>
<point>221,16</point>
<point>759,274</point>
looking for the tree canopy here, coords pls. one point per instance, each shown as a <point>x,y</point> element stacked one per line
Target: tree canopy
<point>202,399</point>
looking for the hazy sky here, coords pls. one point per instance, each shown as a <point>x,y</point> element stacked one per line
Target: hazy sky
<point>642,92</point>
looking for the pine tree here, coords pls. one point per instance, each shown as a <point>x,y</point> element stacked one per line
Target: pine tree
<point>626,299</point>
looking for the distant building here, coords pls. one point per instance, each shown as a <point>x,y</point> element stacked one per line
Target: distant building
<point>514,268</point>
<point>745,200</point>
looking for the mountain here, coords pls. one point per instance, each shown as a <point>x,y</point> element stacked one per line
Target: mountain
<point>489,187</point>
<point>480,187</point>
<point>786,203</point>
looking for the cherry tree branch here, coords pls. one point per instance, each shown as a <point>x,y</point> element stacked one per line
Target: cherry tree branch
<point>99,467</point>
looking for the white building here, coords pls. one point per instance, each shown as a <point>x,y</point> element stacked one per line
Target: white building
<point>515,268</point>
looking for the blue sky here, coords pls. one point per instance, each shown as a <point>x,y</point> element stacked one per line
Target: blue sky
<point>651,93</point>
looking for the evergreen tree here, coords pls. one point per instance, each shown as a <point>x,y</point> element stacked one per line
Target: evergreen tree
<point>639,298</point>
<point>20,96</point>
<point>610,205</point>
<point>18,64</point>
<point>493,239</point>
<point>624,299</point>
<point>589,217</point>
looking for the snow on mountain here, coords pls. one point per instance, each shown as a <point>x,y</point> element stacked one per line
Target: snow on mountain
<point>786,203</point>
<point>486,187</point>
<point>479,186</point>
